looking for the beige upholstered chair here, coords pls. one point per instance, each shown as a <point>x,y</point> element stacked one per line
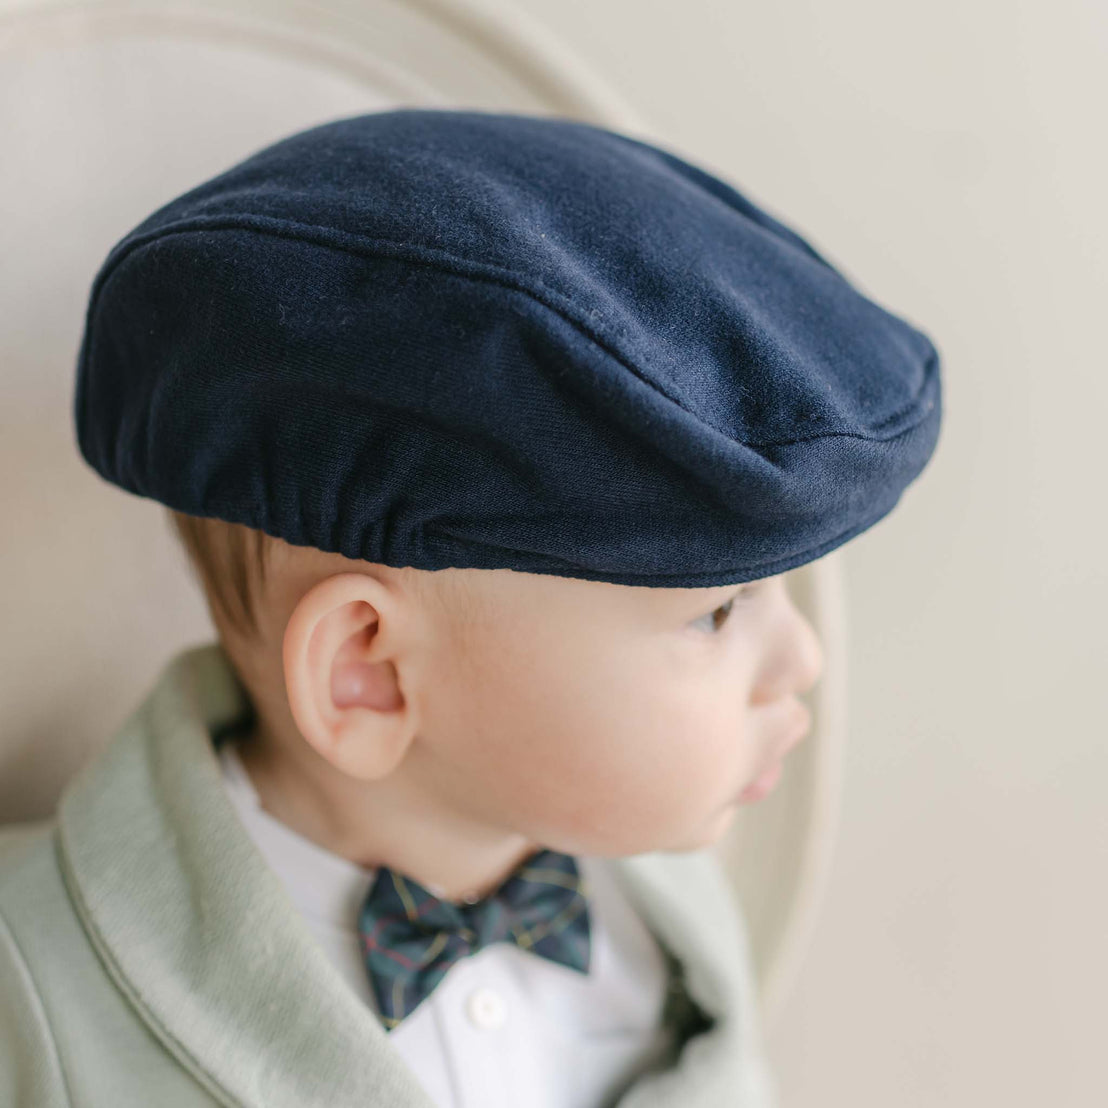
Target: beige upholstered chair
<point>107,110</point>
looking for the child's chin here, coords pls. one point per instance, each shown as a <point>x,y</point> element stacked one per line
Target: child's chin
<point>712,831</point>
<point>763,786</point>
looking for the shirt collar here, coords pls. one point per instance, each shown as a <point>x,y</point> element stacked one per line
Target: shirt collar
<point>326,886</point>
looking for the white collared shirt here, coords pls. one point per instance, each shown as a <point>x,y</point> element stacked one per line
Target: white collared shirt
<point>505,1027</point>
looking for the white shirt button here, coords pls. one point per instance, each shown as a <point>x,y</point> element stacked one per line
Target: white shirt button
<point>486,1009</point>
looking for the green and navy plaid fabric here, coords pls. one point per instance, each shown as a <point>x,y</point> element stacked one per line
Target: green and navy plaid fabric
<point>411,938</point>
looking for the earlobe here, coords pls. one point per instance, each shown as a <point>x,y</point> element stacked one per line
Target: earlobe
<point>342,686</point>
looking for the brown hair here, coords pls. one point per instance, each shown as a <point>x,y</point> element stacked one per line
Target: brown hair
<point>230,562</point>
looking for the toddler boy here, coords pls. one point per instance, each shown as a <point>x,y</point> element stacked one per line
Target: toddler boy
<point>490,438</point>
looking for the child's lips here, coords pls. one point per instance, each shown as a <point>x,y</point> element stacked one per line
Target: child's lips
<point>765,784</point>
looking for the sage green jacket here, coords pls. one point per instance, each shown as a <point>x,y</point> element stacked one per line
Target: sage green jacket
<point>150,957</point>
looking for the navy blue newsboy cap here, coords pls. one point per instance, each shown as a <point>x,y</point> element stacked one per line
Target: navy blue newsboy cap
<point>432,338</point>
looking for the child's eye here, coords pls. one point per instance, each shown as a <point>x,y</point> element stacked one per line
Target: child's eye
<point>718,618</point>
<point>713,621</point>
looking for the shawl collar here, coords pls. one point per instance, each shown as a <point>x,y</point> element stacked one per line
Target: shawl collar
<point>199,934</point>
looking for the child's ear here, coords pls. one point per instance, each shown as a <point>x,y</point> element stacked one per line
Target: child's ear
<point>339,657</point>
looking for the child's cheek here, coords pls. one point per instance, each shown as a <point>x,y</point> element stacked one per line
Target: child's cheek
<point>638,786</point>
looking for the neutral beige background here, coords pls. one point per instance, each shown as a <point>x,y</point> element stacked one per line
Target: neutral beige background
<point>951,157</point>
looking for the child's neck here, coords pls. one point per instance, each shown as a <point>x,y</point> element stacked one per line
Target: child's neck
<point>385,823</point>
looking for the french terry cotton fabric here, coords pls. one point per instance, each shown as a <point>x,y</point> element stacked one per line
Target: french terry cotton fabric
<point>149,954</point>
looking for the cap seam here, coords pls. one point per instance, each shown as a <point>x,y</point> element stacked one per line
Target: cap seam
<point>765,569</point>
<point>362,245</point>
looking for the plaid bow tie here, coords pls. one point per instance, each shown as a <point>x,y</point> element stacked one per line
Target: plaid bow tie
<point>410,937</point>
